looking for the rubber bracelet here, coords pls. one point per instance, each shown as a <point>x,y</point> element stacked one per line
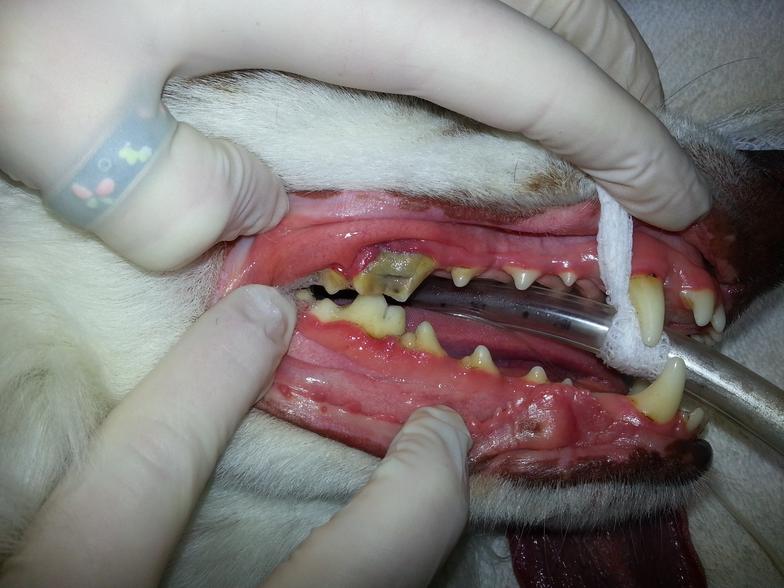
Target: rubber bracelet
<point>110,171</point>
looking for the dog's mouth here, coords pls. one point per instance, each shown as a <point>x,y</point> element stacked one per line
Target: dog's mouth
<point>361,361</point>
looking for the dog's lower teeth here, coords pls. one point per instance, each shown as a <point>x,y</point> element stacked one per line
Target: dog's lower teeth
<point>423,339</point>
<point>536,375</point>
<point>661,400</point>
<point>371,313</point>
<point>480,359</point>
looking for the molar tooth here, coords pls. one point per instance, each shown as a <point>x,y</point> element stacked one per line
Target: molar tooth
<point>332,281</point>
<point>647,296</point>
<point>568,278</point>
<point>660,401</point>
<point>523,278</point>
<point>695,419</point>
<point>423,339</point>
<point>719,319</point>
<point>701,303</point>
<point>395,274</point>
<point>536,375</point>
<point>372,313</point>
<point>462,275</point>
<point>480,359</point>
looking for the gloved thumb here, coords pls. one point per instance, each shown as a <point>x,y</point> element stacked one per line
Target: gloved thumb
<point>400,528</point>
<point>198,192</point>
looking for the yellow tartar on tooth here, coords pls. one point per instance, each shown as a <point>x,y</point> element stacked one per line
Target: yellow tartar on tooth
<point>480,359</point>
<point>371,313</point>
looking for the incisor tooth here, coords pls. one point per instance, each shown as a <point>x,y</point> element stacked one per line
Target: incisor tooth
<point>461,276</point>
<point>536,375</point>
<point>480,359</point>
<point>701,303</point>
<point>372,313</point>
<point>423,339</point>
<point>332,281</point>
<point>568,278</point>
<point>696,418</point>
<point>647,296</point>
<point>660,401</point>
<point>719,319</point>
<point>395,274</point>
<point>523,278</point>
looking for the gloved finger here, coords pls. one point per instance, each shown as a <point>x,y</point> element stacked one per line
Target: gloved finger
<point>114,520</point>
<point>604,32</point>
<point>484,60</point>
<point>399,529</point>
<point>198,192</point>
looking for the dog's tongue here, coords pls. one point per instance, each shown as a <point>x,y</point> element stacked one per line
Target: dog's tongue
<point>655,552</point>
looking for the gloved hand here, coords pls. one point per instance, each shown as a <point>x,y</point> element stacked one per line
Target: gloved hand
<point>115,519</point>
<point>82,82</point>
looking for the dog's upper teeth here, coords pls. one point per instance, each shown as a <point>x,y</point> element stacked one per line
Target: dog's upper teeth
<point>568,278</point>
<point>423,339</point>
<point>660,401</point>
<point>701,302</point>
<point>480,359</point>
<point>461,276</point>
<point>719,319</point>
<point>332,281</point>
<point>372,313</point>
<point>523,277</point>
<point>395,274</point>
<point>536,375</point>
<point>647,296</point>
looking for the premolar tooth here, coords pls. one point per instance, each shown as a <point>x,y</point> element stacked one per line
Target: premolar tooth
<point>536,375</point>
<point>395,274</point>
<point>568,382</point>
<point>372,313</point>
<point>332,281</point>
<point>695,419</point>
<point>647,296</point>
<point>461,276</point>
<point>423,339</point>
<point>568,278</point>
<point>701,303</point>
<point>480,359</point>
<point>523,278</point>
<point>660,401</point>
<point>719,319</point>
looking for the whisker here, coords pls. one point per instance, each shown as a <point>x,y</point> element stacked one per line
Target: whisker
<point>703,74</point>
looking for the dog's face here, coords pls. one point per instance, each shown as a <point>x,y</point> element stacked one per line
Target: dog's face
<point>387,192</point>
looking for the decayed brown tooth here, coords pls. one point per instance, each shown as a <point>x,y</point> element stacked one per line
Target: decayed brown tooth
<point>395,274</point>
<point>461,276</point>
<point>695,420</point>
<point>372,313</point>
<point>660,401</point>
<point>480,359</point>
<point>701,303</point>
<point>568,278</point>
<point>647,296</point>
<point>536,375</point>
<point>332,281</point>
<point>719,319</point>
<point>423,339</point>
<point>523,278</point>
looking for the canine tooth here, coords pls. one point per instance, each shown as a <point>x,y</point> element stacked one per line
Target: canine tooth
<point>461,276</point>
<point>523,278</point>
<point>660,401</point>
<point>568,278</point>
<point>480,359</point>
<point>647,296</point>
<point>423,339</point>
<point>372,313</point>
<point>719,319</point>
<point>394,274</point>
<point>695,419</point>
<point>701,303</point>
<point>536,375</point>
<point>332,281</point>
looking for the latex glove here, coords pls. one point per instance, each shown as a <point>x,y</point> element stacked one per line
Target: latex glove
<point>115,519</point>
<point>72,71</point>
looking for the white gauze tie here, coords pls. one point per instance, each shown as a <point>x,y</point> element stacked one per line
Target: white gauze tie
<point>623,349</point>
